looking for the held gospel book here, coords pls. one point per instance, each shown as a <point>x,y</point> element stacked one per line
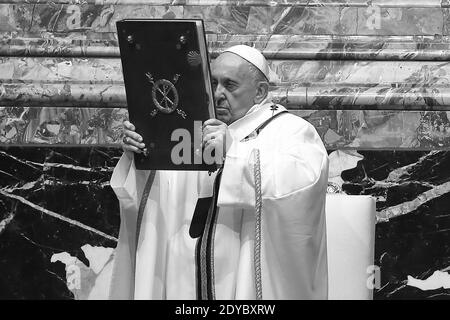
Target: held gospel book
<point>168,87</point>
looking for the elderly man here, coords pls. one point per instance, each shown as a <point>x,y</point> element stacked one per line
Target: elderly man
<point>254,229</point>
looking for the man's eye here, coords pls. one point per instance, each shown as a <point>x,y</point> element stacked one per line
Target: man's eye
<point>231,85</point>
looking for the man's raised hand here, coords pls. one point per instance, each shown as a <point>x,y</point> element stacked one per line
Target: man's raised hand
<point>132,141</point>
<point>216,136</point>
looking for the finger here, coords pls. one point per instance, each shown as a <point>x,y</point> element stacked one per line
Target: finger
<point>212,122</point>
<point>208,137</point>
<point>214,145</point>
<point>128,147</point>
<point>208,130</point>
<point>218,130</point>
<point>132,149</point>
<point>209,146</point>
<point>133,136</point>
<point>133,142</point>
<point>128,125</point>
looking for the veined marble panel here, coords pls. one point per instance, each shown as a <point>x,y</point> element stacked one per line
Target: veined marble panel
<point>364,73</point>
<point>381,129</point>
<point>305,3</point>
<point>339,97</point>
<point>59,219</point>
<point>329,73</point>
<point>279,47</point>
<point>88,19</point>
<point>337,47</point>
<point>349,129</point>
<point>53,201</point>
<point>70,126</point>
<point>321,84</point>
<point>412,246</point>
<point>394,21</point>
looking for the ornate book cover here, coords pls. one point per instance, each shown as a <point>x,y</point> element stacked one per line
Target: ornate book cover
<point>169,95</point>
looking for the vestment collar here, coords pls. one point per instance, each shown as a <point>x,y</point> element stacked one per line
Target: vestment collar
<point>257,114</point>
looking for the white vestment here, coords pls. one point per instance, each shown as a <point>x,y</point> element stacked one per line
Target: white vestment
<point>294,172</point>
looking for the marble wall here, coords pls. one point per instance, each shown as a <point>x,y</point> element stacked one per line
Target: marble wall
<point>372,78</point>
<point>54,201</point>
<point>412,234</point>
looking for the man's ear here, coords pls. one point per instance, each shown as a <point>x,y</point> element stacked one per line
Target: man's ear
<point>262,90</point>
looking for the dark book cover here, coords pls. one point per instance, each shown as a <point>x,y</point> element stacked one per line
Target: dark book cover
<point>169,95</point>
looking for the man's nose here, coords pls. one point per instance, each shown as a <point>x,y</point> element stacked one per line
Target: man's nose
<point>218,92</point>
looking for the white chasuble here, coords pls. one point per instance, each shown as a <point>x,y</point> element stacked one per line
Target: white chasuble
<point>168,263</point>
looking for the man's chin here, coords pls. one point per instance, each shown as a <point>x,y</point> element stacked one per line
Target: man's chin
<point>223,115</point>
<point>223,118</point>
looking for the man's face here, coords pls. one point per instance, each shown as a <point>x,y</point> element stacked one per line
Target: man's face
<point>234,87</point>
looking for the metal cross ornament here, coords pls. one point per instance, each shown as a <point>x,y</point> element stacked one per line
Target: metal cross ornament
<point>273,108</point>
<point>165,95</point>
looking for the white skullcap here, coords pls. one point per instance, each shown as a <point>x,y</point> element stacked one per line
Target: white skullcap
<point>253,56</point>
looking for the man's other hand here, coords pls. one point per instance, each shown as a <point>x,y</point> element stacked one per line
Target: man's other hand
<point>132,141</point>
<point>216,135</point>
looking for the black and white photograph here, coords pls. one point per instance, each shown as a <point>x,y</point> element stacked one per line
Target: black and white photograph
<point>224,150</point>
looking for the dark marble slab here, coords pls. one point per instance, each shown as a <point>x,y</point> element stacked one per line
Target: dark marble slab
<point>58,199</point>
<point>52,201</point>
<point>416,240</point>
